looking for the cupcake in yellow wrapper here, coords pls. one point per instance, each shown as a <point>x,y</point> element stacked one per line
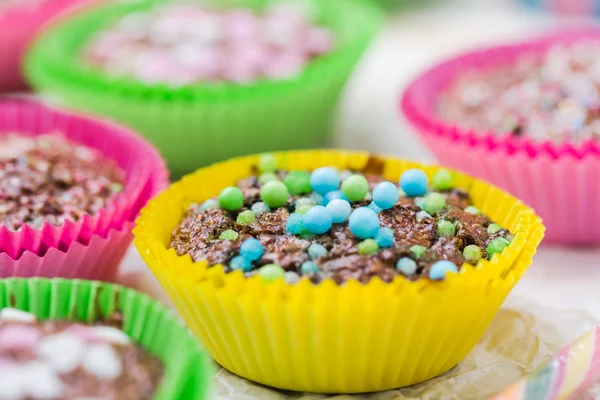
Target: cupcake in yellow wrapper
<point>327,337</point>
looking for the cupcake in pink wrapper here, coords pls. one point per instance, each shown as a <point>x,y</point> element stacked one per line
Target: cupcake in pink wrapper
<point>70,189</point>
<point>20,19</point>
<point>526,117</point>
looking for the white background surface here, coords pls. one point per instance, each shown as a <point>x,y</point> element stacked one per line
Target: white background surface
<point>562,278</point>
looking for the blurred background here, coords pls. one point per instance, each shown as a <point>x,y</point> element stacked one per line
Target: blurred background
<point>416,35</point>
<point>419,34</point>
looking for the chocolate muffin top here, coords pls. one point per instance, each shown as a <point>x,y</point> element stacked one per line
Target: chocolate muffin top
<point>553,96</point>
<point>48,179</point>
<point>186,43</point>
<point>296,224</point>
<point>65,360</point>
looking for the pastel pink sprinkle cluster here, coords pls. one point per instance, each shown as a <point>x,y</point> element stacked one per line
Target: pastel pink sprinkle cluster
<point>7,4</point>
<point>184,44</point>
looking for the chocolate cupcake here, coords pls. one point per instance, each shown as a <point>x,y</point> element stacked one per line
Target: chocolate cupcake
<point>526,116</point>
<point>205,84</point>
<point>71,339</point>
<point>548,97</point>
<point>276,224</point>
<point>70,189</point>
<point>47,179</point>
<point>318,261</point>
<point>67,360</point>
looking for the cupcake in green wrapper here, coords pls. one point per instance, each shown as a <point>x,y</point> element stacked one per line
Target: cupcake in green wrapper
<point>78,339</point>
<point>200,122</point>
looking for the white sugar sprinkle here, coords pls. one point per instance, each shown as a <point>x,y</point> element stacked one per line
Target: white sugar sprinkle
<point>90,398</point>
<point>14,315</point>
<point>42,383</point>
<point>11,384</point>
<point>63,351</point>
<point>112,335</point>
<point>101,360</point>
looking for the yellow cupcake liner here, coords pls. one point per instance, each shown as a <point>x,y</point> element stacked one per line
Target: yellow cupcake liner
<point>333,338</point>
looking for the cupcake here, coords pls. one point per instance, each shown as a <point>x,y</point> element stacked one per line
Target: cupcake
<point>20,19</point>
<point>71,187</point>
<point>180,45</point>
<point>62,339</point>
<point>526,117</point>
<point>206,82</point>
<point>302,258</point>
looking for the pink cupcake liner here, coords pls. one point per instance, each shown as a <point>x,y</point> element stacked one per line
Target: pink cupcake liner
<point>560,181</point>
<point>19,25</point>
<point>145,174</point>
<point>98,260</point>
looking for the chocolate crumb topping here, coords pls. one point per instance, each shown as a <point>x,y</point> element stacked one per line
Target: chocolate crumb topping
<point>199,236</point>
<point>47,179</point>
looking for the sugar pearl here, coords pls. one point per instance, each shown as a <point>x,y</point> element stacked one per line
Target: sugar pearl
<point>231,198</point>
<point>339,210</point>
<point>324,180</point>
<point>407,266</point>
<point>385,237</point>
<point>271,272</point>
<point>414,182</point>
<point>439,270</point>
<point>317,220</point>
<point>291,277</point>
<point>385,195</point>
<point>241,263</point>
<point>294,223</point>
<point>309,268</point>
<point>252,249</point>
<point>363,223</point>
<point>355,187</point>
<point>274,194</point>
<point>418,250</point>
<point>316,250</point>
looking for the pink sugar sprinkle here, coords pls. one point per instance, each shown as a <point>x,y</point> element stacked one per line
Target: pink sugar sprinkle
<point>240,72</point>
<point>241,25</point>
<point>107,42</point>
<point>208,65</point>
<point>252,54</point>
<point>285,65</point>
<point>153,66</point>
<point>318,41</point>
<point>13,337</point>
<point>84,332</point>
<point>5,363</point>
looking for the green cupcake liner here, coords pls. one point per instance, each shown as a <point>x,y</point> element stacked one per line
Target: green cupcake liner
<point>404,5</point>
<point>146,321</point>
<point>199,124</point>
